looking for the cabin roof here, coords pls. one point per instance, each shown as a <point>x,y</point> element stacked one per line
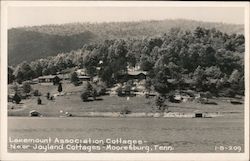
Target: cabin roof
<point>137,72</point>
<point>32,111</point>
<point>47,77</point>
<point>83,77</point>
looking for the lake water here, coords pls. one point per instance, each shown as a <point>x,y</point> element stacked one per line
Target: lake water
<point>182,134</point>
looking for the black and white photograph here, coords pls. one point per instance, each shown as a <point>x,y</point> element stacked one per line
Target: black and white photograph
<point>125,79</point>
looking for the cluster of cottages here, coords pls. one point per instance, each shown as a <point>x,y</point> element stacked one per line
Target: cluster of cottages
<point>137,76</point>
<point>55,79</point>
<point>82,76</point>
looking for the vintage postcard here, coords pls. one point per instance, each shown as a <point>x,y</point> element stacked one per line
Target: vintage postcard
<point>124,80</point>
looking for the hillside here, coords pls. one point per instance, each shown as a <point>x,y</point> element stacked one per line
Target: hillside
<point>30,43</point>
<point>128,29</point>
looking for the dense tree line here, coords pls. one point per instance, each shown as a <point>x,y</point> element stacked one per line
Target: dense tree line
<point>111,30</point>
<point>31,43</point>
<point>213,60</point>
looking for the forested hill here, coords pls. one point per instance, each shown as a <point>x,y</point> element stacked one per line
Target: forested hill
<point>30,43</point>
<point>135,28</point>
<point>211,59</point>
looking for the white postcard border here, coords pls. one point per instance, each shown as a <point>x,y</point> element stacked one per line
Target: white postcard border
<point>121,156</point>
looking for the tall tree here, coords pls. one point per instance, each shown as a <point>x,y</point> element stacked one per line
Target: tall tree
<point>74,78</point>
<point>199,77</point>
<point>60,89</point>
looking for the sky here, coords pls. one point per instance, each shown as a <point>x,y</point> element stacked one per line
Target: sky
<point>32,16</point>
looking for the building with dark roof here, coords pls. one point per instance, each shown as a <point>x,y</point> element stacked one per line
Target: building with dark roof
<point>133,75</point>
<point>49,79</point>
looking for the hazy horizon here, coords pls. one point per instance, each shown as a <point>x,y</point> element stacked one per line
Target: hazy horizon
<point>37,16</point>
<point>58,24</point>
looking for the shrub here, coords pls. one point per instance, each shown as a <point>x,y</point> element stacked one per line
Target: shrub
<point>127,89</point>
<point>88,87</point>
<point>59,89</point>
<point>101,88</point>
<point>48,95</point>
<point>17,98</point>
<point>160,103</point>
<point>87,91</point>
<point>74,79</point>
<point>119,91</point>
<point>100,91</point>
<point>39,101</point>
<point>26,87</point>
<point>85,96</point>
<point>36,93</point>
<point>77,83</point>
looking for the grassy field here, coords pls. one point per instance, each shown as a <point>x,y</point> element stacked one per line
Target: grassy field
<point>197,135</point>
<point>72,103</point>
